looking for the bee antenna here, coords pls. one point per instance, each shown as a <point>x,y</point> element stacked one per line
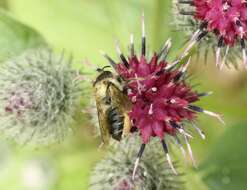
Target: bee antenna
<point>139,155</point>
<point>103,68</point>
<point>107,66</point>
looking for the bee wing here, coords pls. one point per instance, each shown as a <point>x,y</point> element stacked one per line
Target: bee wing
<point>120,99</point>
<point>122,102</point>
<point>103,124</point>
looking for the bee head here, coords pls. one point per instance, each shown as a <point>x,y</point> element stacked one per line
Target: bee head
<point>103,74</point>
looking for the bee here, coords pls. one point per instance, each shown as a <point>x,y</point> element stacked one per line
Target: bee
<point>112,101</point>
<point>112,105</point>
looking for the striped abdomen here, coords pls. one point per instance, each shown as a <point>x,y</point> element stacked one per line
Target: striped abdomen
<point>116,123</point>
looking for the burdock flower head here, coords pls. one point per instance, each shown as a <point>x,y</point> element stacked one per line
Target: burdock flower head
<point>225,20</point>
<point>162,99</point>
<point>38,94</point>
<point>114,171</point>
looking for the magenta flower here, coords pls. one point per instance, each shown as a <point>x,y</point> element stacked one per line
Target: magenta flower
<point>162,99</point>
<point>159,98</point>
<point>226,19</point>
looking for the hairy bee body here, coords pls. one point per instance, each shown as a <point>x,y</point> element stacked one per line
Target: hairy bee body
<point>112,106</point>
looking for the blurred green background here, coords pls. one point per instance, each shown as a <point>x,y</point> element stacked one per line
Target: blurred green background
<point>82,28</point>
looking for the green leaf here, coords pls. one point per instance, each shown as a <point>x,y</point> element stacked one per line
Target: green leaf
<point>226,168</point>
<point>16,37</point>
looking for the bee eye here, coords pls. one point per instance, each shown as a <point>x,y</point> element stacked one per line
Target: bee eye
<point>119,79</point>
<point>107,100</point>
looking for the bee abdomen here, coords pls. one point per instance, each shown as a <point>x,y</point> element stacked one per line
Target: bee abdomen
<point>116,123</point>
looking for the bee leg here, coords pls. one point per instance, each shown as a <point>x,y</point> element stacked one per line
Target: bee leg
<point>139,155</point>
<point>127,125</point>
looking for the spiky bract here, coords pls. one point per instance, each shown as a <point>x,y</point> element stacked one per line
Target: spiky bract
<point>38,94</point>
<point>162,99</point>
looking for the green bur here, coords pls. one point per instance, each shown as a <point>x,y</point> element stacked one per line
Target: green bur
<point>38,94</point>
<point>115,170</point>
